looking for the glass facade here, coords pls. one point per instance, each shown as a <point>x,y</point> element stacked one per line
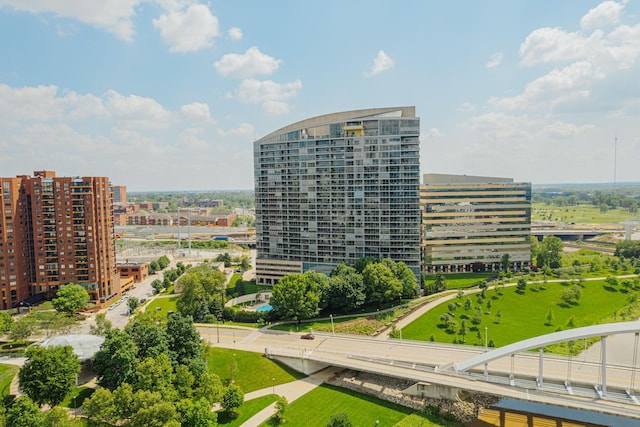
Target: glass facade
<point>472,225</point>
<point>336,191</point>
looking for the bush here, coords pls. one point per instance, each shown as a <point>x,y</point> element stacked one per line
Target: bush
<point>243,316</point>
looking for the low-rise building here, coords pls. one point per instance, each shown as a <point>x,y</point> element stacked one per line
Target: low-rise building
<point>139,271</point>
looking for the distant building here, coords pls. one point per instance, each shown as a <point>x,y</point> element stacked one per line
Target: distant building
<point>225,220</point>
<point>336,188</point>
<point>149,218</point>
<point>55,231</point>
<point>159,205</point>
<point>119,194</point>
<point>471,222</point>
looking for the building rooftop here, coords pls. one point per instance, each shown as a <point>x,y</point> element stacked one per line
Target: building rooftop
<point>84,346</point>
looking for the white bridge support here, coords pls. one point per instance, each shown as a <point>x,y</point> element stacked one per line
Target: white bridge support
<point>604,366</point>
<point>540,365</point>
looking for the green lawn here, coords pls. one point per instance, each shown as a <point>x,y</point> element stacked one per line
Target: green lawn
<point>317,325</point>
<point>315,409</point>
<point>80,394</point>
<point>234,279</point>
<point>579,214</point>
<point>165,304</point>
<point>246,411</point>
<point>248,287</point>
<point>252,371</point>
<point>460,280</point>
<point>523,316</point>
<point>7,372</point>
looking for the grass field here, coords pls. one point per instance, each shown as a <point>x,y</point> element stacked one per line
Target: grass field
<point>523,316</point>
<point>246,411</point>
<point>315,409</point>
<point>80,393</point>
<point>165,304</point>
<point>460,280</point>
<point>579,214</point>
<point>7,372</point>
<point>250,371</point>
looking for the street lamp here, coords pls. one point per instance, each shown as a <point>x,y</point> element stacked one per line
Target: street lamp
<point>218,328</point>
<point>333,330</point>
<point>273,385</point>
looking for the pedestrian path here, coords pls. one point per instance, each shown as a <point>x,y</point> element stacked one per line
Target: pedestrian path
<point>249,339</point>
<point>291,391</point>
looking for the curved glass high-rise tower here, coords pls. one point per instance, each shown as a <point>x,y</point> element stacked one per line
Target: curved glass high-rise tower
<point>337,188</point>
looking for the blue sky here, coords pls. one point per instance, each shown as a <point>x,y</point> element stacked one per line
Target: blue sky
<point>170,94</point>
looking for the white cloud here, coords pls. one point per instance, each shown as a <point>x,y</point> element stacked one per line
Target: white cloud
<point>111,15</point>
<point>45,103</point>
<point>562,130</point>
<point>45,127</point>
<point>496,59</point>
<point>137,111</point>
<point>235,33</point>
<point>269,93</point>
<point>501,126</point>
<point>434,133</point>
<point>276,107</point>
<point>245,131</point>
<point>381,62</point>
<point>190,30</point>
<point>466,106</point>
<point>192,139</point>
<point>251,63</point>
<point>559,86</point>
<point>196,111</point>
<point>555,45</point>
<point>29,103</point>
<point>604,14</point>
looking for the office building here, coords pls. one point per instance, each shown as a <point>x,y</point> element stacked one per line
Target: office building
<point>55,231</point>
<point>337,188</point>
<point>471,222</point>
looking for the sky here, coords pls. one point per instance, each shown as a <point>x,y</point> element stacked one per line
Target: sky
<point>170,94</point>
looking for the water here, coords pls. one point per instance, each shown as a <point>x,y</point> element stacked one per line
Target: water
<point>264,308</point>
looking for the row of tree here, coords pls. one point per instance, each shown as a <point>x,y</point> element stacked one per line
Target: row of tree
<point>369,282</point>
<point>169,276</point>
<point>597,198</point>
<point>628,249</point>
<point>159,264</point>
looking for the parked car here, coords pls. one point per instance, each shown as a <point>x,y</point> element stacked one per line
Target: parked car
<point>308,336</point>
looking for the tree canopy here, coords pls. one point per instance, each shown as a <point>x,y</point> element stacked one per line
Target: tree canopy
<point>159,377</point>
<point>381,284</point>
<point>49,374</point>
<point>549,252</point>
<point>296,296</point>
<point>70,299</point>
<point>116,361</point>
<point>201,286</point>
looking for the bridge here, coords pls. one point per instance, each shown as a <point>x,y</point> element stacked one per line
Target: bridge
<point>510,371</point>
<point>566,234</point>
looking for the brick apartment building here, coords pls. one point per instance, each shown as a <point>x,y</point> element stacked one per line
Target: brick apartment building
<point>55,231</point>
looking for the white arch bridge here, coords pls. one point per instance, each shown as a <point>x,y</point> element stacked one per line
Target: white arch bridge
<point>571,335</point>
<point>513,371</point>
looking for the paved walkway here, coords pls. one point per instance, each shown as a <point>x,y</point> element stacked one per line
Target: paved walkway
<point>291,391</point>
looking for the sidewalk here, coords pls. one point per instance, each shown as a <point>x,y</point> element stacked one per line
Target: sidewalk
<point>291,391</point>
